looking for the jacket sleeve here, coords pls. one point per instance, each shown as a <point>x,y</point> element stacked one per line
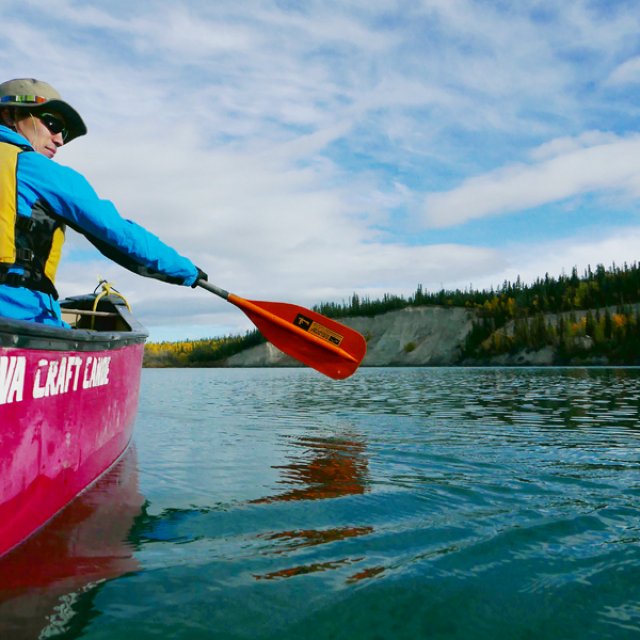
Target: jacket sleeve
<point>71,198</point>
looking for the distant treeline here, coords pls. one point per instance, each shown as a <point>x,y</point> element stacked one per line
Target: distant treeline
<point>208,352</point>
<point>592,314</point>
<point>600,288</point>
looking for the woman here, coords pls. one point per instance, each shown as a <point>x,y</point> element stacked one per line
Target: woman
<point>39,199</point>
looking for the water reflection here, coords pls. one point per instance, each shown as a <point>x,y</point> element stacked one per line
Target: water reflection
<point>320,469</point>
<point>297,539</point>
<point>314,567</point>
<point>43,580</point>
<point>325,468</point>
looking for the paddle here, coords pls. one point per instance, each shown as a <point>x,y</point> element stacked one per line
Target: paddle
<point>315,340</point>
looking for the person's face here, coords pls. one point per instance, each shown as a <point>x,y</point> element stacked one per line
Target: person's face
<point>43,129</point>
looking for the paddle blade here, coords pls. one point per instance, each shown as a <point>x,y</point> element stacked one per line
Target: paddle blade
<point>319,342</point>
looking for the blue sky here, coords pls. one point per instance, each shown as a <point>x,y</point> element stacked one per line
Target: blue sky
<point>303,151</point>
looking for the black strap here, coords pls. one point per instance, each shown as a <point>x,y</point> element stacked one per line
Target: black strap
<point>12,279</point>
<point>29,280</point>
<point>25,223</point>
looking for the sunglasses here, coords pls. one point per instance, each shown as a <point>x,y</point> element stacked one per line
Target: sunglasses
<point>53,123</point>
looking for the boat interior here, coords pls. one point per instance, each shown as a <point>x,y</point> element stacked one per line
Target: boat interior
<point>98,320</point>
<point>82,313</point>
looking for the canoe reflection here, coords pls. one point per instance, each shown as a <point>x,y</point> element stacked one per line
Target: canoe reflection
<point>84,545</point>
<point>320,469</point>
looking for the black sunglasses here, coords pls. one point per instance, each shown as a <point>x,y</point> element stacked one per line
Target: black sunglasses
<point>53,123</point>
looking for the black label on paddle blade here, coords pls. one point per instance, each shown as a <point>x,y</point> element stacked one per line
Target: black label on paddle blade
<point>318,329</point>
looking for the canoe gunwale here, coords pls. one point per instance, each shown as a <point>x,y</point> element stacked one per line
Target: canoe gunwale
<point>30,335</point>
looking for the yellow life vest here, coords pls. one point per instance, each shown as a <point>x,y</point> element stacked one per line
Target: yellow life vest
<point>30,244</point>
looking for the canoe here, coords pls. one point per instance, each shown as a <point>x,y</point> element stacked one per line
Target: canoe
<point>68,401</point>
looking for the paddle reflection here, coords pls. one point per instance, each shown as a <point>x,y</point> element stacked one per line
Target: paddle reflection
<point>312,537</point>
<point>325,468</point>
<point>320,469</point>
<point>42,581</point>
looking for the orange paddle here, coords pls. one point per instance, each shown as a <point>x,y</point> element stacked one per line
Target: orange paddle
<point>328,346</point>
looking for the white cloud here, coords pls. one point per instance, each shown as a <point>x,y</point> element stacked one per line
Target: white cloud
<point>568,144</point>
<point>531,261</point>
<point>626,73</point>
<point>577,170</point>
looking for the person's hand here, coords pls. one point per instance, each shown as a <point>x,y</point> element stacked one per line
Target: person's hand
<point>201,276</point>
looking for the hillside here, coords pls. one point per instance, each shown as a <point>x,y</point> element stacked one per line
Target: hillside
<point>414,336</point>
<point>594,319</point>
<point>440,336</point>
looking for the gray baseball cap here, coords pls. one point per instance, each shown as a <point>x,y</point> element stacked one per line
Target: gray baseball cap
<point>35,95</point>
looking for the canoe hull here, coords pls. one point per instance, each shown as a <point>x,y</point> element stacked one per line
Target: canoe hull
<point>66,416</point>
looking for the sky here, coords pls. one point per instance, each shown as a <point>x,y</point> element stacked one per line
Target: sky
<point>305,151</point>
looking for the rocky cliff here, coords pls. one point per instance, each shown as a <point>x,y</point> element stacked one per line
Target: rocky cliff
<point>415,336</point>
<point>435,336</point>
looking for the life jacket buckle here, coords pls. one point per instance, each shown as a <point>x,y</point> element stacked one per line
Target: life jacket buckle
<point>24,255</point>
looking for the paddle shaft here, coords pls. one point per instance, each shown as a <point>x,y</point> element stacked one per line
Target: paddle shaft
<point>212,287</point>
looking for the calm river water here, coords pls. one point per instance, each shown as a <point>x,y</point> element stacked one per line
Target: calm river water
<point>397,504</point>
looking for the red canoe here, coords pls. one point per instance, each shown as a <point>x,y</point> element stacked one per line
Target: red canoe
<point>68,400</point>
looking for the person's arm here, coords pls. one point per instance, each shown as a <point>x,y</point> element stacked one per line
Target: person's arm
<point>74,201</point>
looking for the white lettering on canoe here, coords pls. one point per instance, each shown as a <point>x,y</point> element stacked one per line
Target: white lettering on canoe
<point>73,372</point>
<point>96,372</point>
<point>50,377</point>
<point>12,373</point>
<point>53,377</point>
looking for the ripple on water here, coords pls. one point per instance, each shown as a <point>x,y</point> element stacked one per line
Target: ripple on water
<point>400,503</point>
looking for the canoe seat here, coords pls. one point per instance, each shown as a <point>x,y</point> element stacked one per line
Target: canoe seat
<point>75,317</point>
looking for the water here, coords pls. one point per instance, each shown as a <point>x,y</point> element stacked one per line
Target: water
<point>400,503</point>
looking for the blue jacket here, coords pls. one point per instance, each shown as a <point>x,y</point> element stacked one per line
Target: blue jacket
<point>69,200</point>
